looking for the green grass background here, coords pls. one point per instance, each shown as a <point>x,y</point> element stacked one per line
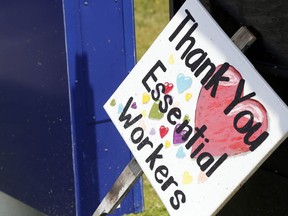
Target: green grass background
<point>151,16</point>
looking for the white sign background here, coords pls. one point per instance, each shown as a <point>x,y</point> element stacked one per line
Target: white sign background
<point>176,177</point>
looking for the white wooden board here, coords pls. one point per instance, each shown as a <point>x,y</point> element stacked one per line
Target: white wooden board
<point>197,116</point>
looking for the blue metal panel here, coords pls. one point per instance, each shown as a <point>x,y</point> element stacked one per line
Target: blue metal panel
<point>36,163</point>
<point>100,47</point>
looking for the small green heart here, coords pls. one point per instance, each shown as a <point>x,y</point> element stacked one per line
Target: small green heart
<point>155,112</point>
<point>186,117</point>
<point>113,102</point>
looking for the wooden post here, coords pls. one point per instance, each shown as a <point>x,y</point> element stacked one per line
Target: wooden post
<point>121,187</point>
<point>243,39</point>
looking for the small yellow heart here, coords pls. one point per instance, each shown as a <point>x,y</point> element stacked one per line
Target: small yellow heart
<point>145,98</point>
<point>144,114</point>
<point>188,96</point>
<point>187,178</point>
<point>176,104</point>
<point>171,59</point>
<point>142,125</point>
<point>167,144</point>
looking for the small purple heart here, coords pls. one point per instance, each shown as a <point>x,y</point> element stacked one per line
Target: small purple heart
<point>177,137</point>
<point>152,131</point>
<point>134,105</point>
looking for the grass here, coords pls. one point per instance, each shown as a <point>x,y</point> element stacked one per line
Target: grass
<point>151,16</point>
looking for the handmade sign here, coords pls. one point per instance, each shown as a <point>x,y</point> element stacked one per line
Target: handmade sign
<point>197,116</point>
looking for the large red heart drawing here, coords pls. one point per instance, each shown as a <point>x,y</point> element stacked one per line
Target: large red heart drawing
<point>223,137</point>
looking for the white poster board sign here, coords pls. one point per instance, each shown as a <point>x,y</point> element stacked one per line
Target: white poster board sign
<point>196,115</point>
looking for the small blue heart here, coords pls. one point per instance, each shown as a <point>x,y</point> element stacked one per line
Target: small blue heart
<point>180,153</point>
<point>120,108</point>
<point>183,82</point>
